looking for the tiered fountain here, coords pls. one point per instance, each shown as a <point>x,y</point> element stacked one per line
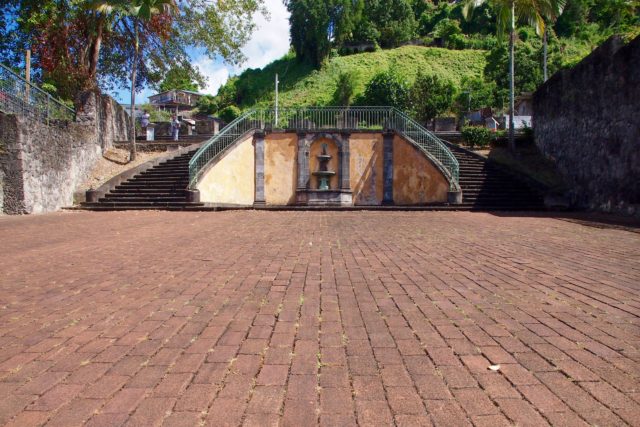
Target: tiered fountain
<point>318,189</point>
<point>323,173</point>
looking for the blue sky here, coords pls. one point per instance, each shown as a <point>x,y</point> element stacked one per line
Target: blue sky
<point>270,41</point>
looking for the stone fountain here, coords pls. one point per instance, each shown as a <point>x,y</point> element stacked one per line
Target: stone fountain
<point>329,183</point>
<point>323,173</point>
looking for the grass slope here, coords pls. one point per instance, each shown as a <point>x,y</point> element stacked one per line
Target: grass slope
<point>300,85</point>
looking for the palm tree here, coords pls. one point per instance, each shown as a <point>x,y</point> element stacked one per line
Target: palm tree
<point>508,11</point>
<point>557,6</point>
<point>138,11</point>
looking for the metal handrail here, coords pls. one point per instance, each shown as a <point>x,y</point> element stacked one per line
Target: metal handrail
<point>18,96</point>
<point>328,118</point>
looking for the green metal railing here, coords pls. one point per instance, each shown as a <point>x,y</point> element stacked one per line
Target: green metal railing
<point>327,118</point>
<point>18,96</point>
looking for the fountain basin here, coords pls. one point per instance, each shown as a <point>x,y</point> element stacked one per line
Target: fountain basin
<point>325,197</point>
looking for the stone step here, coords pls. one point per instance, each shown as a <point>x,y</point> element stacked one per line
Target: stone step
<point>166,175</point>
<point>151,199</point>
<point>142,204</point>
<point>146,193</point>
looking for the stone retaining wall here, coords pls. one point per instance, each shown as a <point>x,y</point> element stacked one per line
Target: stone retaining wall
<point>587,119</point>
<point>42,164</point>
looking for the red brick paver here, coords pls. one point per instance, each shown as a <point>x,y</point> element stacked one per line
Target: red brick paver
<point>300,318</point>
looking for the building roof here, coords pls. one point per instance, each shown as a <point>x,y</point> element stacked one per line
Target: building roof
<point>178,90</point>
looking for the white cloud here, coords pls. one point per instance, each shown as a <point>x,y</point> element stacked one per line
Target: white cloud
<point>216,73</point>
<point>269,42</point>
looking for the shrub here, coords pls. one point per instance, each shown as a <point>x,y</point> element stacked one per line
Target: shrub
<point>528,133</point>
<point>476,136</point>
<point>230,113</point>
<point>156,115</point>
<point>345,89</point>
<point>450,33</point>
<point>207,104</point>
<point>456,42</point>
<point>431,96</point>
<point>387,88</point>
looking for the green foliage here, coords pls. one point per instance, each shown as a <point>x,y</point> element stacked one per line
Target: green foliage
<point>528,76</point>
<point>301,85</point>
<point>394,19</point>
<point>230,113</point>
<point>49,88</point>
<point>317,25</point>
<point>431,96</point>
<point>476,136</point>
<point>447,29</point>
<point>345,89</point>
<point>156,115</point>
<point>207,104</point>
<point>182,77</point>
<point>387,88</point>
<point>475,93</point>
<point>313,24</point>
<point>80,44</point>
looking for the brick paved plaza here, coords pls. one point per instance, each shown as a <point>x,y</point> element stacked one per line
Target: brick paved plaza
<point>298,318</point>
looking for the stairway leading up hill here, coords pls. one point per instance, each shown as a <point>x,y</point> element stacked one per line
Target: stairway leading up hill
<point>161,187</point>
<point>485,187</point>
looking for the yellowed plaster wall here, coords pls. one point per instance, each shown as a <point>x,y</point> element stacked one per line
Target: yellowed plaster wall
<point>415,179</point>
<point>231,180</point>
<point>366,159</point>
<point>280,168</point>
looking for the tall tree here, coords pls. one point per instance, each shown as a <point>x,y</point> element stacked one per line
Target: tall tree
<point>431,96</point>
<point>182,76</point>
<point>136,13</point>
<point>394,20</point>
<point>77,45</point>
<point>316,24</point>
<point>508,12</point>
<point>551,16</point>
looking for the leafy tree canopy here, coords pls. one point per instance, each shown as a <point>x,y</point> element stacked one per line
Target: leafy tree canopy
<point>182,77</point>
<point>79,44</point>
<point>431,96</point>
<point>387,88</point>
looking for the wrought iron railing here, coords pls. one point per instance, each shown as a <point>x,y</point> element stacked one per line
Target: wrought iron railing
<point>328,118</point>
<point>18,96</point>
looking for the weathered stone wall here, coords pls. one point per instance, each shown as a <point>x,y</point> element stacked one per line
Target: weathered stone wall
<point>43,164</point>
<point>587,119</point>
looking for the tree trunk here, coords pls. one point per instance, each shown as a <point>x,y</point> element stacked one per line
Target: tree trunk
<point>134,69</point>
<point>94,54</point>
<point>544,53</point>
<point>512,42</point>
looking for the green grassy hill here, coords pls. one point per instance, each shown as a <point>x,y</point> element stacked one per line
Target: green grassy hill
<point>300,85</point>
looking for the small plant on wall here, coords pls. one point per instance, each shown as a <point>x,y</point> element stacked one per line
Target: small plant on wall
<point>477,136</point>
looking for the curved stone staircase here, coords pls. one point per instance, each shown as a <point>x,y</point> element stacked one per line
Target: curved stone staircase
<point>484,187</point>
